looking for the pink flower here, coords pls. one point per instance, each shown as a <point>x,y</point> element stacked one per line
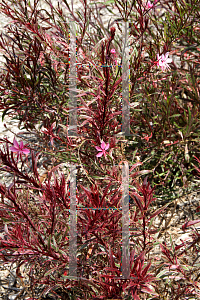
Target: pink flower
<point>19,149</point>
<point>149,5</point>
<point>112,51</point>
<point>103,149</point>
<point>163,61</point>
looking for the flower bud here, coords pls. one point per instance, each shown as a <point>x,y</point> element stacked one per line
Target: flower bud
<point>112,32</point>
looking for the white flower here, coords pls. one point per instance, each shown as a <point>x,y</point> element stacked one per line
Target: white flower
<point>163,61</point>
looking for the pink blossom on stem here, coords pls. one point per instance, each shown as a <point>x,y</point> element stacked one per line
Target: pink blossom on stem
<point>163,61</point>
<point>19,149</point>
<point>102,150</point>
<point>114,56</point>
<point>149,5</point>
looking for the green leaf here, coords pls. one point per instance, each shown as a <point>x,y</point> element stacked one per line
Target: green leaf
<point>4,113</point>
<point>171,241</point>
<point>150,224</point>
<point>156,243</point>
<point>111,159</point>
<point>5,220</point>
<point>73,160</point>
<point>177,126</point>
<point>49,243</point>
<point>52,246</point>
<point>143,172</point>
<point>55,244</point>
<point>98,177</point>
<point>83,246</point>
<point>189,112</point>
<point>163,274</point>
<point>99,168</point>
<point>176,115</point>
<point>62,252</point>
<point>187,268</point>
<point>50,271</point>
<point>109,1</point>
<point>134,153</point>
<point>103,248</point>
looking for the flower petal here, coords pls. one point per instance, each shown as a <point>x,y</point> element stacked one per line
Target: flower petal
<point>14,149</point>
<point>169,60</point>
<point>98,148</point>
<point>21,145</point>
<point>107,146</point>
<point>16,144</point>
<point>103,145</point>
<point>25,151</point>
<point>99,154</point>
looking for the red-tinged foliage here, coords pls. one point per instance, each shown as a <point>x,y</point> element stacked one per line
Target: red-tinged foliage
<point>39,240</point>
<point>190,223</point>
<point>164,122</point>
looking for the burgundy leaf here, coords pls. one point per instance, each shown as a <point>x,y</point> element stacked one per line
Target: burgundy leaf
<point>190,223</point>
<point>158,211</point>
